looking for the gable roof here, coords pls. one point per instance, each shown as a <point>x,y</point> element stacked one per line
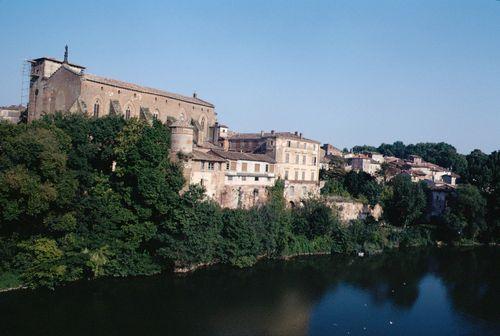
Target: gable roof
<point>144,89</point>
<point>233,155</point>
<point>202,156</point>
<point>256,136</point>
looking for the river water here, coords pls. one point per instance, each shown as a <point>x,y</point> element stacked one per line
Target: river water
<point>414,292</point>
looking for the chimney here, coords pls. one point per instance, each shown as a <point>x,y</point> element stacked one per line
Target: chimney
<point>261,134</point>
<point>272,132</point>
<point>300,135</point>
<point>195,95</point>
<point>225,145</point>
<point>296,133</point>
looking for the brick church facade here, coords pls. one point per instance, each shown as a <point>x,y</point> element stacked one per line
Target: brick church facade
<point>60,86</point>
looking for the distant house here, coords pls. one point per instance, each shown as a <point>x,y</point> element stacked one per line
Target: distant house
<point>297,159</point>
<point>247,177</point>
<point>11,113</point>
<point>331,150</point>
<point>419,170</point>
<point>439,199</point>
<point>364,163</point>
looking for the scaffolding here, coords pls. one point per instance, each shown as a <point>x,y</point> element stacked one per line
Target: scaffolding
<point>25,82</point>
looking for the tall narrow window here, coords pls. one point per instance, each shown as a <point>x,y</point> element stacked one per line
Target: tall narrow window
<point>96,109</point>
<point>127,113</point>
<point>287,158</point>
<point>156,114</point>
<point>297,159</point>
<point>202,124</point>
<point>296,175</point>
<point>286,174</point>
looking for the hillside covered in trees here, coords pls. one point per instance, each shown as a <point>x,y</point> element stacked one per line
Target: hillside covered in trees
<point>84,198</point>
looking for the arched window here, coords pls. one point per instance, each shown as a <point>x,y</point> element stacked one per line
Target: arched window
<point>156,114</point>
<point>96,109</point>
<point>128,113</point>
<point>202,123</point>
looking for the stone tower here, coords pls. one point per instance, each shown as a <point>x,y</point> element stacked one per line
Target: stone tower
<point>181,138</point>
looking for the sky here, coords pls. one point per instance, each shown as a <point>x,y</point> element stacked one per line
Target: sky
<point>342,72</point>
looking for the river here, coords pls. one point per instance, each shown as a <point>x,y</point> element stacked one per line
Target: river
<point>447,291</point>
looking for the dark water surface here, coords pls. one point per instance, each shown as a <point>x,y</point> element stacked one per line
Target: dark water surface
<point>414,292</point>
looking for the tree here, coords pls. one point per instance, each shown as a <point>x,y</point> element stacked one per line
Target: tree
<point>313,219</point>
<point>493,197</point>
<point>406,204</point>
<point>363,184</point>
<point>479,172</point>
<point>363,148</point>
<point>397,149</point>
<point>241,245</point>
<point>466,211</point>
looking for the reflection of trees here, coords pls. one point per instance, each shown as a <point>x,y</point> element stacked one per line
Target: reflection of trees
<point>274,297</point>
<point>392,277</point>
<point>472,278</point>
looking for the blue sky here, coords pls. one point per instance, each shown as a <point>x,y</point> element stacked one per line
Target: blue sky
<point>344,72</point>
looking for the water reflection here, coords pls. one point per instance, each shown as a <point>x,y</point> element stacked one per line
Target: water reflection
<point>445,291</point>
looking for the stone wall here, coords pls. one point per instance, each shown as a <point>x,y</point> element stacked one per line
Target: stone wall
<point>349,210</point>
<point>243,196</point>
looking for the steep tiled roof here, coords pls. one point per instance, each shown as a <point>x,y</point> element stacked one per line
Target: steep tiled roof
<point>144,89</point>
<point>201,156</point>
<point>289,135</point>
<point>233,155</point>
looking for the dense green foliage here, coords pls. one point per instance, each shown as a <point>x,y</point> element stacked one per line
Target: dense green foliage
<point>473,210</point>
<point>442,154</point>
<point>359,185</point>
<point>86,198</point>
<point>406,203</point>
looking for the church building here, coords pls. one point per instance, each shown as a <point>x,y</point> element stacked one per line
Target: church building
<point>61,86</point>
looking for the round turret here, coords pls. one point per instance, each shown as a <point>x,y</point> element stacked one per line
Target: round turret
<point>181,138</point>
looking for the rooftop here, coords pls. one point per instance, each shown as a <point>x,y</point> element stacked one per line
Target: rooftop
<point>287,135</point>
<point>233,155</point>
<point>36,60</point>
<point>145,89</point>
<point>126,85</point>
<point>202,156</point>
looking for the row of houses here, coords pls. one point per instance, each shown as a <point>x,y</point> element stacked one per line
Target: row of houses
<point>440,181</point>
<point>236,169</point>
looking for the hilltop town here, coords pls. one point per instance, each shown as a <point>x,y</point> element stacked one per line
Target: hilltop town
<point>101,177</point>
<point>234,168</point>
